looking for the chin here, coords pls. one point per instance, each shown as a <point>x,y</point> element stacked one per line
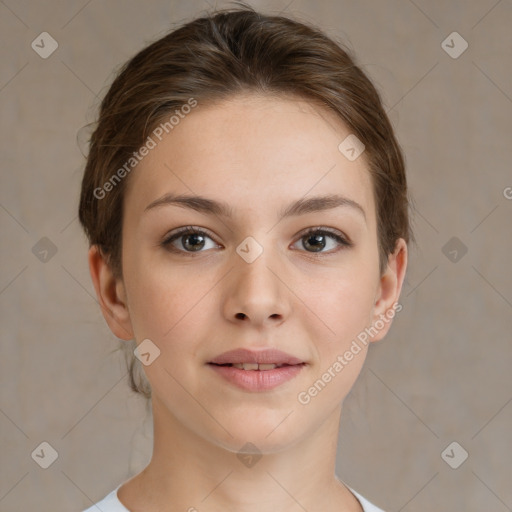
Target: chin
<point>255,445</point>
<point>262,433</point>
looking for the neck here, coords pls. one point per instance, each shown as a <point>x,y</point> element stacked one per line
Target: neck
<point>188,472</point>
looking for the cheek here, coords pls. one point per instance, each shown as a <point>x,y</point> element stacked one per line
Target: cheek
<point>166,306</point>
<point>344,305</point>
<point>346,309</point>
<point>340,306</point>
<point>167,302</point>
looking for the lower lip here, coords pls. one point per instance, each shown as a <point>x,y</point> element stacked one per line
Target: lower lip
<point>258,380</point>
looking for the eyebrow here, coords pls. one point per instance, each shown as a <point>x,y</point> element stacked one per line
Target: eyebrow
<point>299,207</point>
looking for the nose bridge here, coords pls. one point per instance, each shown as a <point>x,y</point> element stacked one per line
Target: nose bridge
<point>256,291</point>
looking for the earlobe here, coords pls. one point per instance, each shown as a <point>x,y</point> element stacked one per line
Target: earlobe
<point>388,291</point>
<point>111,295</point>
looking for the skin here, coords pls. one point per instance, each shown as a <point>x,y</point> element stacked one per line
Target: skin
<point>258,154</point>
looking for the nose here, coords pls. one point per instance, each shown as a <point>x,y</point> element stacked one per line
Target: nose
<point>256,292</point>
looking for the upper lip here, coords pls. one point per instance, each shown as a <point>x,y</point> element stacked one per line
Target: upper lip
<point>266,356</point>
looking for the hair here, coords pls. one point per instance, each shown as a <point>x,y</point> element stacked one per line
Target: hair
<point>213,58</point>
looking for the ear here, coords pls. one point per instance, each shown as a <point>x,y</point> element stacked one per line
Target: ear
<point>111,295</point>
<point>388,291</point>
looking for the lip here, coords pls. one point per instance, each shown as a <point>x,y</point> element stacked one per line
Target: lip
<point>257,380</point>
<point>266,356</point>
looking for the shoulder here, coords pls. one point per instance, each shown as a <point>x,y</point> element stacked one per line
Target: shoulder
<point>367,506</point>
<point>110,503</point>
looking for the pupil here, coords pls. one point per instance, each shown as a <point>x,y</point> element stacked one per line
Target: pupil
<point>317,240</point>
<point>194,243</point>
<point>198,242</point>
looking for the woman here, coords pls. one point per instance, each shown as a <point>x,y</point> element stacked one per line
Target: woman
<point>246,205</point>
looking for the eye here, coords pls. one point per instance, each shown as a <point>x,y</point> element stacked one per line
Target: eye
<point>189,239</point>
<point>315,239</point>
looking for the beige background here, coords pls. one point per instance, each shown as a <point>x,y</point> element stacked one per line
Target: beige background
<point>442,374</point>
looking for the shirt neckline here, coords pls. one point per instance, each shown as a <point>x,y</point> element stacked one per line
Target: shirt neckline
<point>365,504</point>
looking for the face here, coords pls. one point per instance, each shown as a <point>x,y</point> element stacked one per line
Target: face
<point>257,274</point>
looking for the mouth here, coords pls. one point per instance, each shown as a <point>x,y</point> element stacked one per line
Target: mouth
<point>255,366</point>
<point>256,371</point>
<point>246,357</point>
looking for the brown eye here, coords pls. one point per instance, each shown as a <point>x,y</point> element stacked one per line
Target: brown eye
<point>316,240</point>
<point>193,241</point>
<point>187,239</point>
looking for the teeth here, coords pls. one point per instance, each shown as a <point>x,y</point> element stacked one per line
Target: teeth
<point>250,366</point>
<point>267,366</point>
<point>254,366</point>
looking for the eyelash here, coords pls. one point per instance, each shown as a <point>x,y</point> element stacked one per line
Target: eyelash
<point>192,230</point>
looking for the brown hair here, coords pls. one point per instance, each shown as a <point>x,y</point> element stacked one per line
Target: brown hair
<point>215,57</point>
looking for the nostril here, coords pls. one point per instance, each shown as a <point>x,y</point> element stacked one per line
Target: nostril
<point>240,315</point>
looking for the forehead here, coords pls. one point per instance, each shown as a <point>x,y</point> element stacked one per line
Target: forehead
<point>252,151</point>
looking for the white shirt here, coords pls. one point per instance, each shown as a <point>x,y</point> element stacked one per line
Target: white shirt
<point>111,503</point>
